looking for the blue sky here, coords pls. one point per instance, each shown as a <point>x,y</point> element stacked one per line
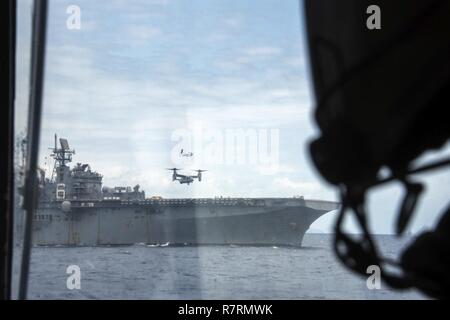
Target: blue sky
<point>138,71</point>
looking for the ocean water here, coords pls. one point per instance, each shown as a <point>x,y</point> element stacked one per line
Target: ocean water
<point>206,272</point>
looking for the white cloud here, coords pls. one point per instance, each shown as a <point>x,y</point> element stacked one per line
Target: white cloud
<point>249,57</point>
<point>143,113</point>
<point>215,37</point>
<point>143,33</point>
<point>295,61</point>
<point>232,22</point>
<point>262,51</point>
<point>276,169</point>
<point>305,188</point>
<point>122,126</point>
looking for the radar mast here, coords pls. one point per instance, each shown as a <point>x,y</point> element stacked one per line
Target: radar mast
<point>62,155</point>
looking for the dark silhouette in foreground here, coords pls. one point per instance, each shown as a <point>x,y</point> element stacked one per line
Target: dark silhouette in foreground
<point>382,96</point>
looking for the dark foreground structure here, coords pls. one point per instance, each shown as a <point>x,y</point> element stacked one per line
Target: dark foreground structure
<point>382,86</point>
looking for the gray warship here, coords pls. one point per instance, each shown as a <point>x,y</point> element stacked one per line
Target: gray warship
<point>74,209</point>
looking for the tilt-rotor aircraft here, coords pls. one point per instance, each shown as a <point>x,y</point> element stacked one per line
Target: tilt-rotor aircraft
<point>181,178</point>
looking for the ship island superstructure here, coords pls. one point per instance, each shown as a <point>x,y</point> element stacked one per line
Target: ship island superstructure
<point>75,209</point>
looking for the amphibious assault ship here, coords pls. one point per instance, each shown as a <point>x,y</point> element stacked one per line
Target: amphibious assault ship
<point>74,209</point>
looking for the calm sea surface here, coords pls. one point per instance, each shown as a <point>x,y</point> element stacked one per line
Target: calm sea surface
<point>206,272</point>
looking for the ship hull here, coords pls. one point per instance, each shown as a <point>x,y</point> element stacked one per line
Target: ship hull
<point>177,224</point>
